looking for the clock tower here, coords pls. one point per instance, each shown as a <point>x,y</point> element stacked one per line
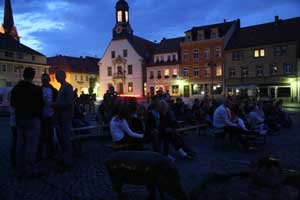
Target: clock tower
<point>122,28</point>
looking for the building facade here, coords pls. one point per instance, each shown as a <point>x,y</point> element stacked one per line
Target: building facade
<point>202,62</point>
<point>261,60</point>
<point>14,56</point>
<point>123,64</point>
<point>163,70</point>
<point>82,73</point>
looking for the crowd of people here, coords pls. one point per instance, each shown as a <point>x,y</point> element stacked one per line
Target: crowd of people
<point>42,117</point>
<point>39,114</point>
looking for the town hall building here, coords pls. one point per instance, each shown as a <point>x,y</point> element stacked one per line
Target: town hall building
<point>123,64</point>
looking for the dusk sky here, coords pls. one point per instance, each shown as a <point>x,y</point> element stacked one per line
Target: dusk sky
<point>84,27</point>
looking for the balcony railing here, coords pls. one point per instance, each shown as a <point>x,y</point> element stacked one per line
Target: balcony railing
<point>119,75</point>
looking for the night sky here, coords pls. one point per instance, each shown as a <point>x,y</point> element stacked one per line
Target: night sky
<point>84,27</point>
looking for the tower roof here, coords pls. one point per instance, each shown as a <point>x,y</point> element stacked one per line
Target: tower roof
<point>122,5</point>
<point>8,22</point>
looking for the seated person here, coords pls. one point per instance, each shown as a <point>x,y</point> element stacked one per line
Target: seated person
<point>119,128</point>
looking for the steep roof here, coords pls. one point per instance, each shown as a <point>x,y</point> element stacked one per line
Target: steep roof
<point>169,45</point>
<point>269,33</point>
<point>87,65</point>
<point>222,27</point>
<point>143,47</point>
<point>8,22</point>
<point>9,44</point>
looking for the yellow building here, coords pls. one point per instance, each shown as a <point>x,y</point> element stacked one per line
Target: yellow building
<point>14,56</point>
<point>82,73</point>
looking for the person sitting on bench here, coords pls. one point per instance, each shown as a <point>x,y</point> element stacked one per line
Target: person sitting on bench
<point>120,130</point>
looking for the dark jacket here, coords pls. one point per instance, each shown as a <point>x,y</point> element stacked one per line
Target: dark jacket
<point>27,99</point>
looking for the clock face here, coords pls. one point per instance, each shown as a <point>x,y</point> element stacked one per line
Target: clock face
<point>118,29</point>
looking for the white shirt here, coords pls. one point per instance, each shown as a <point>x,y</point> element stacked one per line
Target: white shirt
<point>120,127</point>
<point>222,117</point>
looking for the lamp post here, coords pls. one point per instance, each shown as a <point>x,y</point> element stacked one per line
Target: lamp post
<point>211,64</point>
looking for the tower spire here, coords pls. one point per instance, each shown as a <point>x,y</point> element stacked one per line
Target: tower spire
<point>8,26</point>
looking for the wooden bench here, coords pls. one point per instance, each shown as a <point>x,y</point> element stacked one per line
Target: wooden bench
<point>199,127</point>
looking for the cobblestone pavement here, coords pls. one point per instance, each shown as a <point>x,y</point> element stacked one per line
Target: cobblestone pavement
<point>88,179</point>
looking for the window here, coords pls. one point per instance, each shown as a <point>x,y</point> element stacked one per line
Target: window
<point>169,58</point>
<point>159,74</point>
<point>3,68</point>
<point>232,72</point>
<point>130,87</point>
<point>20,55</point>
<point>200,36</point>
<point>197,89</point>
<point>167,73</point>
<point>120,16</point>
<point>185,56</point>
<point>119,70</point>
<point>206,53</point>
<point>196,71</point>
<point>129,69</point>
<point>126,16</point>
<point>196,54</point>
<point>125,53</point>
<point>259,53</point>
<point>81,78</point>
<point>151,75</point>
<point>213,35</point>
<point>174,57</point>
<point>207,72</point>
<point>18,68</point>
<point>175,73</point>
<point>274,69</point>
<point>237,55</point>
<point>113,54</point>
<point>33,58</point>
<point>186,72</point>
<point>109,71</point>
<point>162,59</point>
<point>284,92</point>
<point>218,52</point>
<point>280,51</point>
<point>287,68</point>
<point>219,71</point>
<point>259,71</point>
<point>175,89</point>
<point>157,59</point>
<point>9,54</point>
<point>245,72</point>
<point>87,78</point>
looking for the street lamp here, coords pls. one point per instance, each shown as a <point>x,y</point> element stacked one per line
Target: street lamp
<point>212,65</point>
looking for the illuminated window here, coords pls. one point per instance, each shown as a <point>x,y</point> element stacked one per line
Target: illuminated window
<point>126,16</point>
<point>167,73</point>
<point>175,89</point>
<point>219,71</point>
<point>175,73</point>
<point>130,87</point>
<point>119,16</point>
<point>259,53</point>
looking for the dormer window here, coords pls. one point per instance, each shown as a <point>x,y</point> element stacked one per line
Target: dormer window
<point>213,35</point>
<point>119,16</point>
<point>126,16</point>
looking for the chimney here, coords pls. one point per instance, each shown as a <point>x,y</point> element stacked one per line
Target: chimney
<point>238,22</point>
<point>276,18</point>
<point>224,20</point>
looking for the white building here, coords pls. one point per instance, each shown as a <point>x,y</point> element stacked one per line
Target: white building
<point>123,64</point>
<point>163,71</point>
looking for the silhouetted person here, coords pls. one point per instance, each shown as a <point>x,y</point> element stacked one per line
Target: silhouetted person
<point>64,110</point>
<point>47,128</point>
<point>27,100</point>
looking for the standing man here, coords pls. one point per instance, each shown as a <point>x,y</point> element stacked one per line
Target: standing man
<point>27,100</point>
<point>46,137</point>
<point>64,110</point>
